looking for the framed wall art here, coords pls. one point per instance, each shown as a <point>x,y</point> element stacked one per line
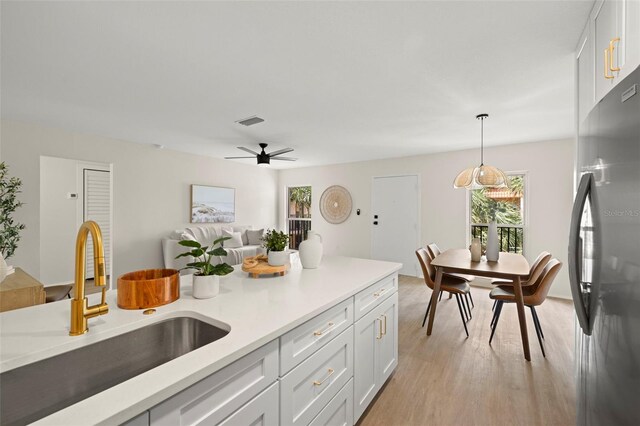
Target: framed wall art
<point>212,204</point>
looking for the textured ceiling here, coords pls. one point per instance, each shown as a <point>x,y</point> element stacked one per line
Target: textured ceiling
<point>337,81</point>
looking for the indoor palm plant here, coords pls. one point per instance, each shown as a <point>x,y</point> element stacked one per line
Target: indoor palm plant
<point>276,244</point>
<point>206,278</point>
<point>9,230</point>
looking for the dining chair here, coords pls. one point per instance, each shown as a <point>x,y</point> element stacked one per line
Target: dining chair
<point>434,251</point>
<point>456,286</point>
<point>534,273</point>
<point>533,295</point>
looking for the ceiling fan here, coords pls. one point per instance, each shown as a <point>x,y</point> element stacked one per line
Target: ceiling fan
<point>263,157</point>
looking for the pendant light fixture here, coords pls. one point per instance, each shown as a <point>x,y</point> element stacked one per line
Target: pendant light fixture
<point>481,176</point>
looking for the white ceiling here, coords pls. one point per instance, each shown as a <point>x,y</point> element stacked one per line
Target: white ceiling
<point>337,81</point>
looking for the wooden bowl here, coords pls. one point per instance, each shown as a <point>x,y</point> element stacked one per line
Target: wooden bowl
<point>148,288</point>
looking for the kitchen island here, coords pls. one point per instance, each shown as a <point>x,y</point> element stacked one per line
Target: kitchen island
<point>260,314</point>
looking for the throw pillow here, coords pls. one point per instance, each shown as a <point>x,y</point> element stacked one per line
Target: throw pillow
<point>255,236</point>
<point>234,242</point>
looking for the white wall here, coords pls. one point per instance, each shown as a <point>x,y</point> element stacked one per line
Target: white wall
<point>444,210</point>
<point>151,190</point>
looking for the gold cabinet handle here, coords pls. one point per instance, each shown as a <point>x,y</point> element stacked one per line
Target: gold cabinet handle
<point>606,64</point>
<point>611,49</point>
<point>384,333</point>
<point>379,336</point>
<point>379,292</point>
<point>327,329</point>
<point>320,382</point>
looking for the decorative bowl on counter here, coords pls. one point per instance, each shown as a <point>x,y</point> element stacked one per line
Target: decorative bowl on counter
<point>148,288</point>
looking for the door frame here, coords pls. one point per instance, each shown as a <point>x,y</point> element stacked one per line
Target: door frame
<point>419,233</point>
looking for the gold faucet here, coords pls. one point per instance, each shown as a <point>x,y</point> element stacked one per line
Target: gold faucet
<point>80,309</point>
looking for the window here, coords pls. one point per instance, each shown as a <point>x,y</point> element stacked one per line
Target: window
<point>507,206</point>
<point>298,214</point>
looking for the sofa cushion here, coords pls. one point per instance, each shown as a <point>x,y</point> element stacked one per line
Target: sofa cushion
<point>234,242</point>
<point>205,235</point>
<point>242,229</point>
<point>254,238</point>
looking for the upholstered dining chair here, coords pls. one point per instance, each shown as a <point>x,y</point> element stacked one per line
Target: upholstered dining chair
<point>456,286</point>
<point>534,273</point>
<point>434,251</point>
<point>533,295</point>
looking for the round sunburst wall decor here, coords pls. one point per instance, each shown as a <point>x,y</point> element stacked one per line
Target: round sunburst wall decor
<point>335,204</point>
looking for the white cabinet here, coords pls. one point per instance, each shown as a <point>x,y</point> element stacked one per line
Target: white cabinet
<point>309,387</point>
<point>339,411</point>
<point>260,411</point>
<point>585,75</point>
<point>214,398</point>
<point>609,49</point>
<point>376,352</point>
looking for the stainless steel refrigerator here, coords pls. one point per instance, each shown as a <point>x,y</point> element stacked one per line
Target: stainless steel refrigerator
<point>604,259</point>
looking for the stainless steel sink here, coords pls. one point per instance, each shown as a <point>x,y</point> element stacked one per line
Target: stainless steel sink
<point>33,391</point>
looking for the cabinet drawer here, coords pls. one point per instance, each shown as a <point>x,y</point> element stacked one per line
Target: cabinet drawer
<point>261,410</point>
<point>214,398</point>
<point>371,297</point>
<point>339,411</point>
<point>298,344</point>
<point>309,387</point>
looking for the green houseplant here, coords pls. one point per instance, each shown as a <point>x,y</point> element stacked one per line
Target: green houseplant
<point>206,279</point>
<point>9,230</point>
<point>276,244</point>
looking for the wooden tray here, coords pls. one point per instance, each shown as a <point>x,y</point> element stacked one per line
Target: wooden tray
<point>148,288</point>
<point>258,265</point>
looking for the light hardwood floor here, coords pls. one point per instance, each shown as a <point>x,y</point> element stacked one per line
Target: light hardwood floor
<point>448,379</point>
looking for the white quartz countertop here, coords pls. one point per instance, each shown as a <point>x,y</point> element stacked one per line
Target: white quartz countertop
<point>255,310</point>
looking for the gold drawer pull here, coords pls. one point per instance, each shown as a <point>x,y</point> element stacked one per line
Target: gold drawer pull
<point>326,330</point>
<point>379,336</point>
<point>379,292</point>
<point>318,383</point>
<point>611,49</point>
<point>384,333</point>
<point>606,64</point>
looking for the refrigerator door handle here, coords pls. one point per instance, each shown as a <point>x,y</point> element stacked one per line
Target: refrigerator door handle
<point>575,251</point>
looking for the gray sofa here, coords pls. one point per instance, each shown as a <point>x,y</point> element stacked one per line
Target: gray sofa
<point>205,235</point>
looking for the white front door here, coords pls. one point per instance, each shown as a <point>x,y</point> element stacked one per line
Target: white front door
<point>395,231</point>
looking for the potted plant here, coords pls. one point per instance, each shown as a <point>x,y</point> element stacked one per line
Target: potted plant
<point>9,230</point>
<point>276,244</point>
<point>206,279</point>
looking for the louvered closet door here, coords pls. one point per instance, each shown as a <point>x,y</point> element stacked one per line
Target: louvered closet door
<point>97,207</point>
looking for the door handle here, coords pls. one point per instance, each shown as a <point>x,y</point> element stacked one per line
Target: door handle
<point>384,333</point>
<point>379,336</point>
<point>584,189</point>
<point>330,372</point>
<point>606,64</point>
<point>611,48</point>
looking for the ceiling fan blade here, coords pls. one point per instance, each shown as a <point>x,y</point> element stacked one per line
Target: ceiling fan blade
<point>248,150</point>
<point>281,151</point>
<point>234,158</point>
<point>284,158</point>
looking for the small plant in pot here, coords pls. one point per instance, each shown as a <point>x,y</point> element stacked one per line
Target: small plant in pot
<point>276,244</point>
<point>206,278</point>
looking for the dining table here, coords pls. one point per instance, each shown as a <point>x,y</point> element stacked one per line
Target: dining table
<point>511,266</point>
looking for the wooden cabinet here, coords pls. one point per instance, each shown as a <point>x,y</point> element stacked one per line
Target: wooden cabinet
<point>608,51</point>
<point>376,352</point>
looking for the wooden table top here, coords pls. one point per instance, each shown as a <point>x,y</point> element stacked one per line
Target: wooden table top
<point>459,260</point>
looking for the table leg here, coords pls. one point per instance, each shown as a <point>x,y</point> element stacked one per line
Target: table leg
<point>517,289</point>
<point>434,299</point>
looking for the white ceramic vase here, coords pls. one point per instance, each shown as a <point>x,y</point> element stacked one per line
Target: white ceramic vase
<point>493,249</point>
<point>206,286</point>
<point>4,269</point>
<point>476,250</point>
<point>278,258</point>
<point>311,250</point>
